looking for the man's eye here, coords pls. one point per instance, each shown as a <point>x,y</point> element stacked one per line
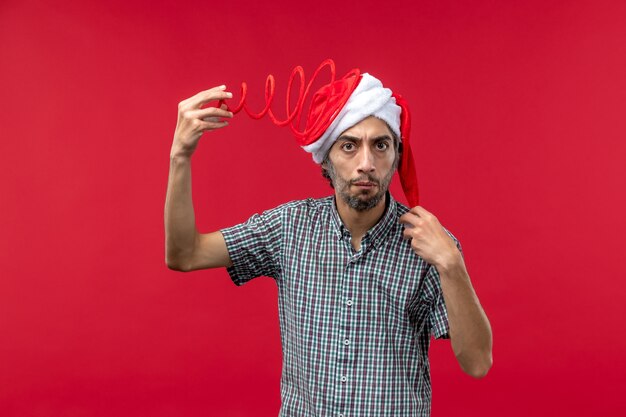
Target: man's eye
<point>348,146</point>
<point>381,146</point>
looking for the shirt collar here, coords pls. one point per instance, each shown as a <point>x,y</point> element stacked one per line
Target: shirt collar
<point>377,234</point>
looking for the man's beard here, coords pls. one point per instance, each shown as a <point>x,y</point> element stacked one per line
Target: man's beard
<point>359,202</point>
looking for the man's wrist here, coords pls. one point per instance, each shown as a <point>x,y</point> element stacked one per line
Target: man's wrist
<point>179,157</point>
<point>450,263</point>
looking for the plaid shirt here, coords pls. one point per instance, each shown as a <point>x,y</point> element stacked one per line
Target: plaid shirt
<point>355,326</point>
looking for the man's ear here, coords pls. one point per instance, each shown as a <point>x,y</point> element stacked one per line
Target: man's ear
<point>400,150</point>
<point>326,160</point>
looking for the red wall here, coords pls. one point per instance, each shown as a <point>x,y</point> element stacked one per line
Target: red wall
<point>519,127</point>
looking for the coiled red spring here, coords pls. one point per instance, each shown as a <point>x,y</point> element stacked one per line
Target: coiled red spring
<point>313,128</point>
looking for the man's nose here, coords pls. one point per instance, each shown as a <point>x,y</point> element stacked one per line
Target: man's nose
<point>366,160</point>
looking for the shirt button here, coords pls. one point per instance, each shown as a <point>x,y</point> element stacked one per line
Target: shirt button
<point>340,415</point>
<point>346,342</point>
<point>349,302</point>
<point>344,378</point>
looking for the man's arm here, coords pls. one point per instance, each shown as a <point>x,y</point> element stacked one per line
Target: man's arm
<point>470,331</point>
<point>185,248</point>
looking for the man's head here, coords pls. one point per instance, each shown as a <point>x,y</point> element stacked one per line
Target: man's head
<point>361,163</point>
<point>339,106</point>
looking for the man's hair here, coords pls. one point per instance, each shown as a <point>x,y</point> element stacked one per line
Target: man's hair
<point>397,146</point>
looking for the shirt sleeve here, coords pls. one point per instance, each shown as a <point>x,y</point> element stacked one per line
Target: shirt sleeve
<point>438,316</point>
<point>254,247</point>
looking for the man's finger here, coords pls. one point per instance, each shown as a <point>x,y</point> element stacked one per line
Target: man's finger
<point>212,94</point>
<point>423,213</point>
<point>210,112</point>
<point>419,211</point>
<point>212,125</point>
<point>409,218</point>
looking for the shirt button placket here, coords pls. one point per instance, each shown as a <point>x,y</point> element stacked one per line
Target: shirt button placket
<point>350,282</point>
<point>345,341</point>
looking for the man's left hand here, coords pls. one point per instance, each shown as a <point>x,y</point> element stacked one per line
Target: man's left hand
<point>428,238</point>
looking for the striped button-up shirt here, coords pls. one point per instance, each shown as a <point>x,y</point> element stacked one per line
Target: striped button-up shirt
<point>355,325</point>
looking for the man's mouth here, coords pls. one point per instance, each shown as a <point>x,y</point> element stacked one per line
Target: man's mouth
<point>365,184</point>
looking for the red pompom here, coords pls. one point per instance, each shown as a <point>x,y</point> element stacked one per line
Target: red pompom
<point>326,105</point>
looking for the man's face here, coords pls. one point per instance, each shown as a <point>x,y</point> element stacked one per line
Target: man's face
<point>361,163</point>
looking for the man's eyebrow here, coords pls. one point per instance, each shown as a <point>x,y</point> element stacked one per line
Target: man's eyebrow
<point>348,137</point>
<point>356,139</point>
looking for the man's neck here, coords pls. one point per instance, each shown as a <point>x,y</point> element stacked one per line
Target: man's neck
<point>359,222</point>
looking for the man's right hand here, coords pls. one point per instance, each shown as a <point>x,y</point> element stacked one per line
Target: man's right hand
<point>193,120</point>
<point>185,248</point>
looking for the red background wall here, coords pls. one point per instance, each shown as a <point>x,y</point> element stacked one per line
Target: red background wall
<point>519,130</point>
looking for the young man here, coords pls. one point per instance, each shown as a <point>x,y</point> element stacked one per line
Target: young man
<point>363,281</point>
